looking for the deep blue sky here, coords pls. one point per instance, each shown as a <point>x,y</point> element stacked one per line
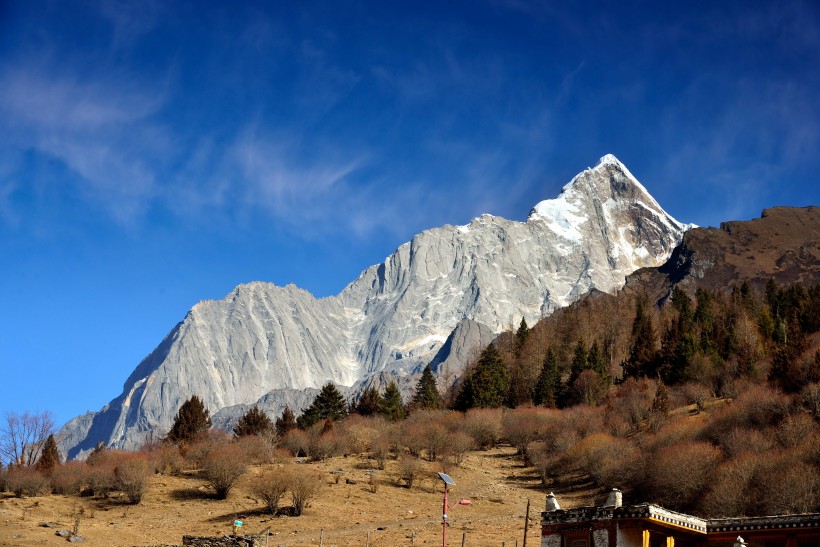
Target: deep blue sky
<point>154,154</point>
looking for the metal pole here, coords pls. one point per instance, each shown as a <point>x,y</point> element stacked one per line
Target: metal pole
<point>368,540</point>
<point>321,537</point>
<point>526,522</point>
<point>463,538</point>
<point>444,519</point>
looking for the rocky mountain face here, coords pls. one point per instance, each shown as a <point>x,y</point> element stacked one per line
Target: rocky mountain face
<point>398,315</point>
<point>782,245</point>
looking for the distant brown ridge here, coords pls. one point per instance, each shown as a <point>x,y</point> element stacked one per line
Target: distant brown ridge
<point>783,245</point>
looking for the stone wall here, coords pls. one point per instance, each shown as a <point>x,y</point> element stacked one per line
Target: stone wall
<point>224,541</point>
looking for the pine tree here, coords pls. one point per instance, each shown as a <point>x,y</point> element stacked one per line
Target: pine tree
<point>679,343</point>
<point>392,404</point>
<point>643,353</point>
<point>328,404</point>
<point>427,396</point>
<point>369,403</point>
<point>487,385</point>
<point>596,362</point>
<point>549,382</point>
<point>49,457</point>
<point>580,362</point>
<point>191,420</point>
<point>285,422</point>
<point>254,422</point>
<point>521,336</point>
<point>705,318</point>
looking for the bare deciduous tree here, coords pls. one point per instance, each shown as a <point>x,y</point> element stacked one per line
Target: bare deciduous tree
<point>23,436</point>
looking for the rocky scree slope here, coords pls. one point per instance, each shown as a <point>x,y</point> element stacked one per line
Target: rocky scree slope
<point>397,315</point>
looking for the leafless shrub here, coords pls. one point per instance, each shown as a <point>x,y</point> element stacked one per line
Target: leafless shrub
<point>303,485</point>
<point>257,449</point>
<point>297,442</point>
<point>618,426</point>
<point>358,433</point>
<point>808,451</point>
<point>425,431</point>
<point>484,426</point>
<point>794,429</point>
<point>101,479</point>
<point>26,481</point>
<point>610,461</point>
<point>679,473</point>
<point>270,488</point>
<point>166,459</point>
<point>132,472</point>
<point>69,478</point>
<point>585,420</point>
<point>199,449</point>
<point>673,432</point>
<point>786,485</point>
<point>696,394</point>
<point>543,460</point>
<point>740,441</point>
<point>631,402</point>
<point>523,425</point>
<point>456,446</point>
<point>810,398</point>
<point>729,494</point>
<point>756,407</point>
<point>380,451</point>
<point>436,438</point>
<point>395,434</point>
<point>222,467</point>
<point>410,469</point>
<point>413,437</point>
<point>324,443</point>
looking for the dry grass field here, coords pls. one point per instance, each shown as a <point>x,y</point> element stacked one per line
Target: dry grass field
<point>343,512</point>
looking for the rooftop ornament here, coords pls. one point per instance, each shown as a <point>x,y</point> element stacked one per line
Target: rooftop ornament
<point>615,499</point>
<point>552,503</point>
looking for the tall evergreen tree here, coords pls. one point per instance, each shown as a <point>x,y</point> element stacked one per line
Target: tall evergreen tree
<point>285,422</point>
<point>580,361</point>
<point>392,404</point>
<point>486,386</point>
<point>49,457</point>
<point>679,343</point>
<point>549,382</point>
<point>427,396</point>
<point>369,403</point>
<point>597,363</point>
<point>643,352</point>
<point>521,336</point>
<point>705,318</point>
<point>254,422</point>
<point>328,404</point>
<point>191,420</point>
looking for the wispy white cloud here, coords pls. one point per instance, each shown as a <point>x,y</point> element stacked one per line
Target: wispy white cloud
<point>130,19</point>
<point>101,129</point>
<point>752,145</point>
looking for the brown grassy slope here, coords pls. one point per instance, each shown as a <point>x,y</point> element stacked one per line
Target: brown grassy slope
<point>495,481</point>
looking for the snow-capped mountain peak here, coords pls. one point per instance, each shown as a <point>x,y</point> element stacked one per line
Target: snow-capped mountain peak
<point>395,317</point>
